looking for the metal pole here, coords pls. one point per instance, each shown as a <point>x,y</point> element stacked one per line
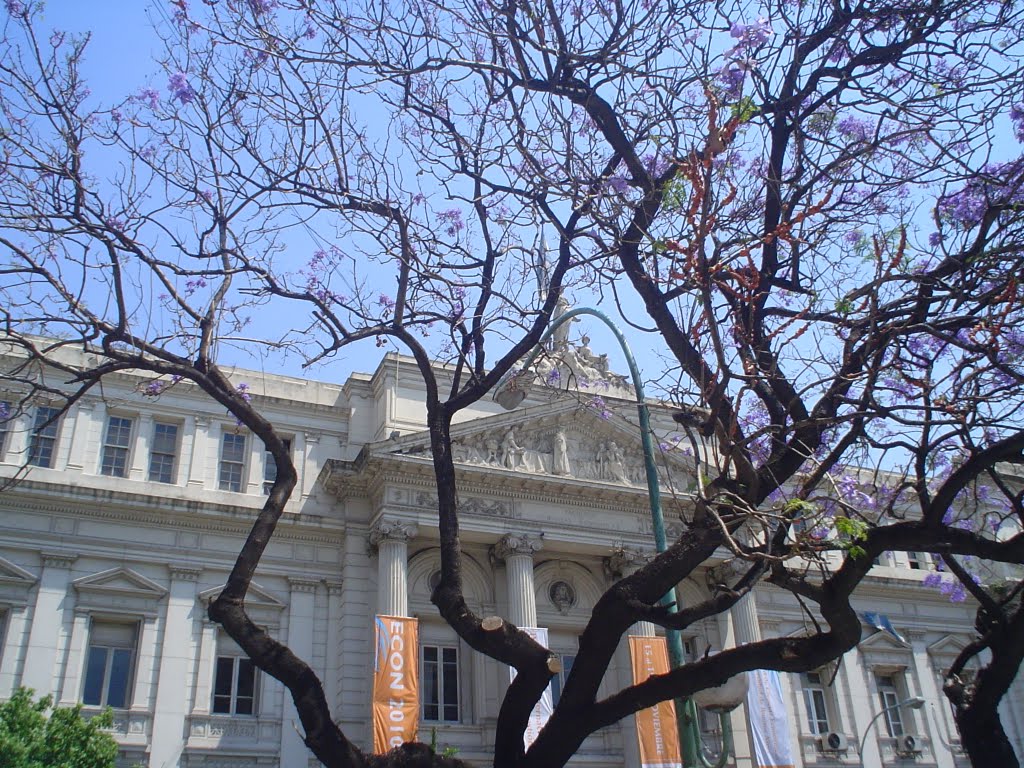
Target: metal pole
<point>686,711</point>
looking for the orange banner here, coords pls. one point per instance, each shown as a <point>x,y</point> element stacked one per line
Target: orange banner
<point>656,727</point>
<point>396,701</point>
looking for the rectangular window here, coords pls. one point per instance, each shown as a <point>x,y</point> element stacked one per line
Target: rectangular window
<point>232,461</point>
<point>558,681</point>
<point>440,683</point>
<point>43,440</point>
<point>115,447</point>
<point>234,687</point>
<point>5,425</point>
<point>814,700</point>
<point>889,697</point>
<point>919,561</point>
<point>109,665</point>
<point>270,468</point>
<point>162,453</point>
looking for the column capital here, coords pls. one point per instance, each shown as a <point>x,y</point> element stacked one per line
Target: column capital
<point>334,587</point>
<point>299,584</point>
<point>57,559</point>
<point>391,530</point>
<point>624,561</point>
<point>185,572</point>
<point>517,544</point>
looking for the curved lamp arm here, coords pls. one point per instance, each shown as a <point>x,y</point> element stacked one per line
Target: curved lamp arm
<point>915,702</point>
<point>509,394</point>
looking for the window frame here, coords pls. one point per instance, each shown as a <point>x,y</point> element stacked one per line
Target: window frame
<point>108,662</point>
<point>270,466</point>
<point>5,426</point>
<point>224,463</point>
<point>42,427</point>
<point>889,694</point>
<point>813,716</point>
<point>440,680</point>
<point>153,453</point>
<point>109,449</point>
<point>236,660</point>
<point>558,681</point>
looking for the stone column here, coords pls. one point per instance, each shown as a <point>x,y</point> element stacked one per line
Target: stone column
<point>79,424</point>
<point>47,619</point>
<point>72,685</point>
<point>143,443</point>
<point>204,671</point>
<point>12,648</point>
<point>308,467</point>
<point>517,551</point>
<point>625,562</point>
<point>175,667</point>
<point>924,720</point>
<point>391,539</point>
<point>300,640</point>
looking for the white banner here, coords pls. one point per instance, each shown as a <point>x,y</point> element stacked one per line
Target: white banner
<point>769,724</point>
<point>542,710</point>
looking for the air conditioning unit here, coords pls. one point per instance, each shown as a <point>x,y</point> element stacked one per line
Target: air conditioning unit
<point>907,744</point>
<point>834,742</point>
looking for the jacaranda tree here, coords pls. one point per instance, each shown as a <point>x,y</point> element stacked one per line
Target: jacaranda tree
<point>816,204</point>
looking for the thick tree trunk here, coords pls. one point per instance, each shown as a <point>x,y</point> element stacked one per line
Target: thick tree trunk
<point>983,737</point>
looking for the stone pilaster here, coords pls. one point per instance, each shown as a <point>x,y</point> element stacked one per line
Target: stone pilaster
<point>47,619</point>
<point>175,665</point>
<point>300,640</point>
<point>517,551</point>
<point>391,539</point>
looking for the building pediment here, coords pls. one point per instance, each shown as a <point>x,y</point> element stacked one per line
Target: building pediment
<point>255,597</point>
<point>575,440</point>
<point>883,651</point>
<point>122,582</point>
<point>15,582</point>
<point>119,590</point>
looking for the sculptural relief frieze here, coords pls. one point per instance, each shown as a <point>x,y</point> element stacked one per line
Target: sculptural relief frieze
<point>560,452</point>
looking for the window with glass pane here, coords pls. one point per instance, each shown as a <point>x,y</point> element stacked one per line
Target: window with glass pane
<point>270,468</point>
<point>918,560</point>
<point>115,447</point>
<point>163,452</point>
<point>889,697</point>
<point>109,665</point>
<point>44,437</point>
<point>440,683</point>
<point>232,461</point>
<point>5,424</point>
<point>814,700</point>
<point>558,681</point>
<point>234,688</point>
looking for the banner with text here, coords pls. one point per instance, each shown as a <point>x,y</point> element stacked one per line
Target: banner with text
<point>543,708</point>
<point>769,725</point>
<point>656,727</point>
<point>396,701</point>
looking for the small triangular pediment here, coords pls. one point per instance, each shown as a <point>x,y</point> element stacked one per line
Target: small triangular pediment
<point>569,440</point>
<point>947,647</point>
<point>15,575</point>
<point>255,597</point>
<point>882,641</point>
<point>122,582</point>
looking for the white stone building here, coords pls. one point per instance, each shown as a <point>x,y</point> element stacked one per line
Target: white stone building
<point>133,509</point>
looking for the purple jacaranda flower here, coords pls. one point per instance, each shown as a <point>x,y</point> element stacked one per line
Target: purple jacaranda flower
<point>751,36</point>
<point>599,407</point>
<point>855,128</point>
<point>1017,117</point>
<point>153,389</point>
<point>14,7</point>
<point>932,579</point>
<point>180,89</point>
<point>243,392</point>
<point>149,96</point>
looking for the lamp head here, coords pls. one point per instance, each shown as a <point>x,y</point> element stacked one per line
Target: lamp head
<point>916,703</point>
<point>725,697</point>
<point>513,388</point>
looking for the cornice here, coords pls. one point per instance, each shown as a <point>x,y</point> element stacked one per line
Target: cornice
<point>183,514</point>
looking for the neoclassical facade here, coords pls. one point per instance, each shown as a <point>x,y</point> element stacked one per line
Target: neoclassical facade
<point>133,508</point>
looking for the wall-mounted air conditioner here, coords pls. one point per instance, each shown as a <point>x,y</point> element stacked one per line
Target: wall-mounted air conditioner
<point>834,742</point>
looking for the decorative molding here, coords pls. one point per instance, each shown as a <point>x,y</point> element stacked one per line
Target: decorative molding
<point>185,572</point>
<point>334,587</point>
<point>57,559</point>
<point>392,530</point>
<point>625,560</point>
<point>298,584</point>
<point>118,589</point>
<point>512,544</point>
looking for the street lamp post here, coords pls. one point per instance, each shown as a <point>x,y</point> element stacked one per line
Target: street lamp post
<point>511,391</point>
<point>915,702</point>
